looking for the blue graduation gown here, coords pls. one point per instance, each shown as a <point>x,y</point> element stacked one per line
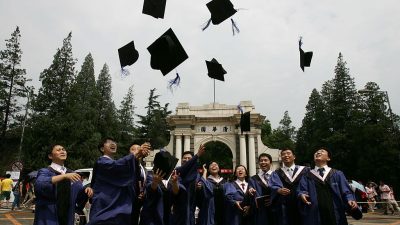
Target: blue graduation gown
<point>341,194</point>
<point>208,203</point>
<point>285,208</point>
<point>233,215</point>
<point>46,198</point>
<point>113,191</point>
<point>157,204</point>
<point>263,214</point>
<point>188,177</point>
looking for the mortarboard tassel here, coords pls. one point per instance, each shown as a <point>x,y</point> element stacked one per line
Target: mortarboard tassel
<point>234,27</point>
<point>124,72</point>
<point>174,82</point>
<point>240,108</point>
<point>205,26</point>
<point>300,41</point>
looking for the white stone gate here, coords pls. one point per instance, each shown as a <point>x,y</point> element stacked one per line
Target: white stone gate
<point>192,126</point>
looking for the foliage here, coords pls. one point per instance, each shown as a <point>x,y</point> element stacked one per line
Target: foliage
<point>153,125</point>
<point>12,81</point>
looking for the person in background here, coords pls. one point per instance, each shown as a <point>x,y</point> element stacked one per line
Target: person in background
<point>371,193</point>
<point>17,192</point>
<point>6,187</point>
<point>392,200</point>
<point>385,197</point>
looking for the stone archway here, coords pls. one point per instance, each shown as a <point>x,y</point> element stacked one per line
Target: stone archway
<point>219,152</point>
<point>192,126</point>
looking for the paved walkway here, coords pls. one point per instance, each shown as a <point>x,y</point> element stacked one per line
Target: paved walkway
<point>25,217</point>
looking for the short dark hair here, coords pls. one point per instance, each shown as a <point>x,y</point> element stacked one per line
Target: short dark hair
<point>102,142</point>
<point>245,169</point>
<point>188,152</point>
<point>327,150</point>
<point>265,155</point>
<point>287,149</point>
<point>50,148</point>
<point>8,175</point>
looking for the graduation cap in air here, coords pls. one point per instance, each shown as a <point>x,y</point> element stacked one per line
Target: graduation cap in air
<point>154,8</point>
<point>245,122</point>
<point>164,161</point>
<point>215,70</point>
<point>128,55</point>
<point>305,57</point>
<point>166,54</point>
<point>220,11</point>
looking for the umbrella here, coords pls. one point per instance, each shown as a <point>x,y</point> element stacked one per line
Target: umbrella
<point>33,174</point>
<point>357,185</point>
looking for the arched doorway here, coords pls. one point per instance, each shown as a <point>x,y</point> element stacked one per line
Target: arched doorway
<point>219,152</point>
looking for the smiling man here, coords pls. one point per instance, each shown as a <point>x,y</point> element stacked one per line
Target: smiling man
<point>325,193</point>
<point>284,182</point>
<point>113,184</point>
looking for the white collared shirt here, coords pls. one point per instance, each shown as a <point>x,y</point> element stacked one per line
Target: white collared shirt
<point>326,171</point>
<point>58,168</point>
<point>261,175</point>
<point>289,170</point>
<point>240,185</point>
<point>107,157</point>
<point>217,180</point>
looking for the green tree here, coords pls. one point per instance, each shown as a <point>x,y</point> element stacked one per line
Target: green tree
<point>266,131</point>
<point>126,115</point>
<point>12,80</point>
<point>57,81</point>
<point>284,135</point>
<point>49,123</point>
<point>343,112</point>
<point>154,124</point>
<point>314,129</point>
<point>107,120</point>
<point>81,132</point>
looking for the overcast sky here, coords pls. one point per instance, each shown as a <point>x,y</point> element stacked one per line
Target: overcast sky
<point>262,61</point>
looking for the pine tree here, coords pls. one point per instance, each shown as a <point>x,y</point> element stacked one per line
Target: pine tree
<point>154,124</point>
<point>314,129</point>
<point>57,81</point>
<point>107,120</point>
<point>12,80</point>
<point>343,112</point>
<point>126,115</point>
<point>49,120</point>
<point>284,135</point>
<point>81,133</point>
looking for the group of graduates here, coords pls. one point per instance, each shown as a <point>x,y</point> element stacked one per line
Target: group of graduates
<point>122,192</point>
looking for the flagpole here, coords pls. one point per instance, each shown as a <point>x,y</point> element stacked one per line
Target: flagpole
<point>214,95</point>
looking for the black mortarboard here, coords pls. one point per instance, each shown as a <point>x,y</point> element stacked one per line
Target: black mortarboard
<point>220,10</point>
<point>245,122</point>
<point>164,161</point>
<point>305,57</point>
<point>166,52</point>
<point>128,55</point>
<point>215,70</point>
<point>154,8</point>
